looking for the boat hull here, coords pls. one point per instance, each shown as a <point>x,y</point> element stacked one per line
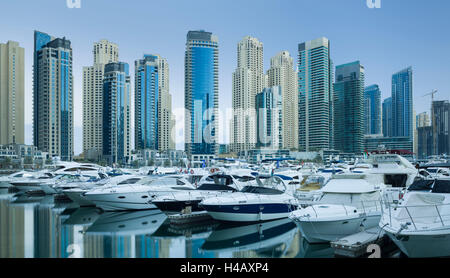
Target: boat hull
<point>79,198</point>
<point>177,206</point>
<point>331,230</point>
<point>423,245</point>
<point>122,201</point>
<point>249,212</point>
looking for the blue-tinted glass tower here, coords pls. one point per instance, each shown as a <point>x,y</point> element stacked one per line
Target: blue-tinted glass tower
<point>372,110</point>
<point>269,111</point>
<point>387,117</point>
<point>349,108</point>
<point>201,94</point>
<point>402,104</point>
<point>146,102</point>
<point>53,96</point>
<point>116,113</point>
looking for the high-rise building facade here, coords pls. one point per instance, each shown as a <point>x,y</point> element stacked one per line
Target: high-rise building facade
<point>269,109</point>
<point>349,108</point>
<point>282,74</point>
<point>104,52</point>
<point>116,113</point>
<point>441,133</point>
<point>53,97</point>
<point>422,119</point>
<point>402,104</point>
<point>248,81</point>
<point>315,75</point>
<point>387,117</point>
<point>12,94</point>
<point>153,108</point>
<point>201,94</point>
<point>372,110</point>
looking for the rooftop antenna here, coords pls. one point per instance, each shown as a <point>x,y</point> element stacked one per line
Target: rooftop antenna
<point>433,121</point>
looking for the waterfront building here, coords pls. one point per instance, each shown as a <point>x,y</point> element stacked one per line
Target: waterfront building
<point>116,113</point>
<point>315,78</point>
<point>402,104</point>
<point>269,109</point>
<point>282,74</point>
<point>201,95</point>
<point>387,117</point>
<point>104,52</point>
<point>53,96</point>
<point>372,110</point>
<point>12,93</point>
<point>349,108</point>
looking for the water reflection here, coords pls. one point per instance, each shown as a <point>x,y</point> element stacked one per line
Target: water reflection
<point>40,227</point>
<point>316,250</point>
<point>270,239</point>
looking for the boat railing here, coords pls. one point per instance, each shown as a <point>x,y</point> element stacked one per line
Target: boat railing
<point>418,216</point>
<point>363,206</point>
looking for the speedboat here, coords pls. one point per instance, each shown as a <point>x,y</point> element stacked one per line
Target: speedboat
<point>32,183</point>
<point>349,202</point>
<point>420,223</point>
<point>66,181</point>
<point>271,199</point>
<point>209,186</point>
<point>5,181</point>
<point>136,196</point>
<point>75,192</point>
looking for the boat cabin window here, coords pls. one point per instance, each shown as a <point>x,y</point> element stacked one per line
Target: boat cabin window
<point>396,180</point>
<point>421,185</point>
<point>441,186</point>
<point>130,181</point>
<point>244,179</point>
<point>180,182</point>
<point>261,190</point>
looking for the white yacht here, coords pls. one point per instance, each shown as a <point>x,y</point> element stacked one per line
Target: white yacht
<point>348,203</point>
<point>271,199</point>
<point>5,181</point>
<point>32,183</point>
<point>138,195</point>
<point>420,223</point>
<point>75,192</point>
<point>209,186</point>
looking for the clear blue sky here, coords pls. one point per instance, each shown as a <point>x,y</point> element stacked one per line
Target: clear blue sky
<point>402,33</point>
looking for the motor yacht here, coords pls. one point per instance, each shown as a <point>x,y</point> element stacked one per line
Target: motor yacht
<point>271,199</point>
<point>138,195</point>
<point>5,181</point>
<point>209,186</point>
<point>349,202</point>
<point>420,223</point>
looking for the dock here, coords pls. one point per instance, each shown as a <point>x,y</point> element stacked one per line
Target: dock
<point>358,245</point>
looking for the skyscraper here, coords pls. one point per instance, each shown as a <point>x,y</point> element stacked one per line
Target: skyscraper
<point>248,81</point>
<point>269,109</point>
<point>402,104</point>
<point>349,108</point>
<point>282,73</point>
<point>372,110</point>
<point>387,117</point>
<point>12,93</point>
<point>153,109</point>
<point>53,96</point>
<point>116,113</point>
<point>441,136</point>
<point>201,94</point>
<point>315,88</point>
<point>422,119</point>
<point>104,52</point>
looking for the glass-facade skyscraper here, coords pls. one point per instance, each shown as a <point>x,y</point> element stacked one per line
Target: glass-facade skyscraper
<point>372,110</point>
<point>402,104</point>
<point>116,113</point>
<point>201,94</point>
<point>53,96</point>
<point>315,89</point>
<point>387,117</point>
<point>269,111</point>
<point>349,108</point>
<point>146,103</point>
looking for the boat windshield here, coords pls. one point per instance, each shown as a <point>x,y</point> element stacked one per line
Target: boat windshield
<point>261,190</point>
<point>441,186</point>
<point>421,185</point>
<point>433,186</point>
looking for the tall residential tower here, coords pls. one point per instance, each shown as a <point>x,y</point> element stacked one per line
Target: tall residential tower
<point>104,52</point>
<point>201,95</point>
<point>12,93</point>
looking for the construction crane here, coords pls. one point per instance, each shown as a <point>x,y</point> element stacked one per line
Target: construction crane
<point>433,121</point>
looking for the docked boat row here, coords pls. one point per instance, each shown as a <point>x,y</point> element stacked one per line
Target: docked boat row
<point>327,203</point>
